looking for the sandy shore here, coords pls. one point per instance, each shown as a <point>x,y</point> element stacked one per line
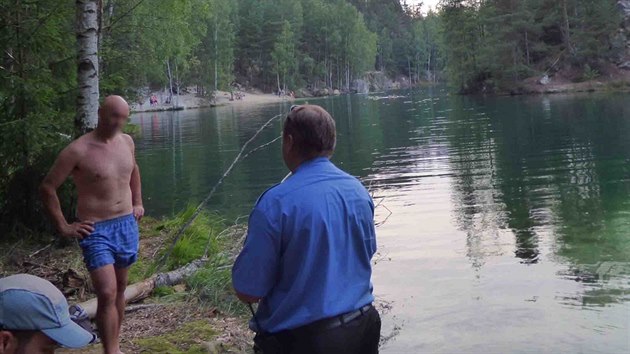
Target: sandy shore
<point>191,101</point>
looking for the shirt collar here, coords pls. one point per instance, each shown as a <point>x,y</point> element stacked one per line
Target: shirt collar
<point>316,161</point>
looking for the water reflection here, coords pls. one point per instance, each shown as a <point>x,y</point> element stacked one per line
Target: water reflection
<point>511,216</point>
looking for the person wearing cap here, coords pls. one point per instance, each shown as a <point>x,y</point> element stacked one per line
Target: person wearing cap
<point>307,255</point>
<point>34,317</point>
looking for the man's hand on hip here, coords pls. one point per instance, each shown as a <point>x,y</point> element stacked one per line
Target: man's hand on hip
<point>78,230</point>
<point>138,212</point>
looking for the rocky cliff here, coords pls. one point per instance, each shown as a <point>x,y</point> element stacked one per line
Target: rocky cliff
<point>621,40</point>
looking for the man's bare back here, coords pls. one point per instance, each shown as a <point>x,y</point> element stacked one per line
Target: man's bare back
<point>102,175</point>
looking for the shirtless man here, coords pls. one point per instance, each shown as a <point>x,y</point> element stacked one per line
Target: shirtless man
<point>103,166</point>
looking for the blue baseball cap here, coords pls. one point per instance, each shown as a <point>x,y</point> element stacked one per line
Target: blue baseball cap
<point>30,303</point>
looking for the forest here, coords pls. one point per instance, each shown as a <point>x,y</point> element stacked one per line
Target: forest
<point>271,45</point>
<point>494,44</point>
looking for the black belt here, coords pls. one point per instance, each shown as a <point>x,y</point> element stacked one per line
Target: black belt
<point>334,322</point>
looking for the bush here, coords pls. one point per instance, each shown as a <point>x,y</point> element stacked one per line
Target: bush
<point>589,73</point>
<point>28,149</point>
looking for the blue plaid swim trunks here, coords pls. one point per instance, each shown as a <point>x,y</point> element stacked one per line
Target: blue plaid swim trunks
<point>113,241</point>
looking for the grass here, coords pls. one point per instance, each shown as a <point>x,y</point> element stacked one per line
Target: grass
<point>199,239</point>
<point>189,339</point>
<point>141,270</point>
<point>618,85</point>
<point>212,285</point>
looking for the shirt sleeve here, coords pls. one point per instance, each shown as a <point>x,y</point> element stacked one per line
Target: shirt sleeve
<point>256,268</point>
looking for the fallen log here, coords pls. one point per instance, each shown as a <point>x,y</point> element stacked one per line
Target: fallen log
<point>143,289</point>
<point>134,308</point>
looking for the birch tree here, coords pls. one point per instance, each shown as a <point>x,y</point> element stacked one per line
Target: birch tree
<point>283,56</point>
<point>87,31</point>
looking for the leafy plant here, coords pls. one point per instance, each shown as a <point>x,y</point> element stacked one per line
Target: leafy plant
<point>589,73</point>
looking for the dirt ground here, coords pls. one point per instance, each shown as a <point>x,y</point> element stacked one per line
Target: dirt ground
<point>152,326</point>
<point>179,328</point>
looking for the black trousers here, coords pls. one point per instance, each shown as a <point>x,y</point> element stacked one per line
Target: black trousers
<point>359,336</point>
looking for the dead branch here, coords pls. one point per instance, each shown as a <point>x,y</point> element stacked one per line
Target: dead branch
<point>180,232</point>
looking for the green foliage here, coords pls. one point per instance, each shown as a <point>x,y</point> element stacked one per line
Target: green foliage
<point>494,44</point>
<point>139,38</point>
<point>199,236</point>
<point>141,270</point>
<point>213,287</point>
<point>589,73</point>
<point>288,44</point>
<point>162,291</point>
<point>283,56</point>
<point>37,81</point>
<point>133,130</point>
<point>482,46</point>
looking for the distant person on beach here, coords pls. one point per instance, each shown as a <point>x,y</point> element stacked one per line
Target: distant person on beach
<point>34,318</point>
<point>307,255</point>
<point>104,170</point>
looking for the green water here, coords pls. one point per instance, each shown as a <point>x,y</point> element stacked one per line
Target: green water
<point>510,216</point>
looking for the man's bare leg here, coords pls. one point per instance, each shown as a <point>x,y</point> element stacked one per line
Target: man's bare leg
<point>121,285</point>
<point>107,315</point>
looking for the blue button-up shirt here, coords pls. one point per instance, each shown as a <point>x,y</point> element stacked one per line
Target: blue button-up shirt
<point>308,248</point>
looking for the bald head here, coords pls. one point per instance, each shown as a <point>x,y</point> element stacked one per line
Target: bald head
<point>115,103</point>
<point>113,114</point>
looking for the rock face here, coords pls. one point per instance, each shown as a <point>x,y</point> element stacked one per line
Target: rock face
<point>302,93</point>
<point>621,40</point>
<point>379,81</point>
<point>545,80</point>
<point>361,86</point>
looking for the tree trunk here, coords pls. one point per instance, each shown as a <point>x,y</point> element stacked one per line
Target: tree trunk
<point>347,77</point>
<point>429,74</point>
<point>216,56</point>
<point>178,83</point>
<point>278,79</point>
<point>567,28</point>
<point>143,289</point>
<point>527,49</point>
<point>409,71</point>
<point>87,32</point>
<point>170,82</point>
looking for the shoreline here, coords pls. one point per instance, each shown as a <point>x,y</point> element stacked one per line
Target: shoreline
<point>192,101</point>
<point>528,87</point>
<point>569,88</point>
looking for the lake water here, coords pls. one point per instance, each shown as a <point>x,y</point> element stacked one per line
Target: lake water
<point>504,221</point>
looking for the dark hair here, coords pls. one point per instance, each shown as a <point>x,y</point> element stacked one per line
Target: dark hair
<point>313,130</point>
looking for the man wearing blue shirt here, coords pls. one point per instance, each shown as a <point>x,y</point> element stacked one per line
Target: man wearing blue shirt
<point>307,256</point>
